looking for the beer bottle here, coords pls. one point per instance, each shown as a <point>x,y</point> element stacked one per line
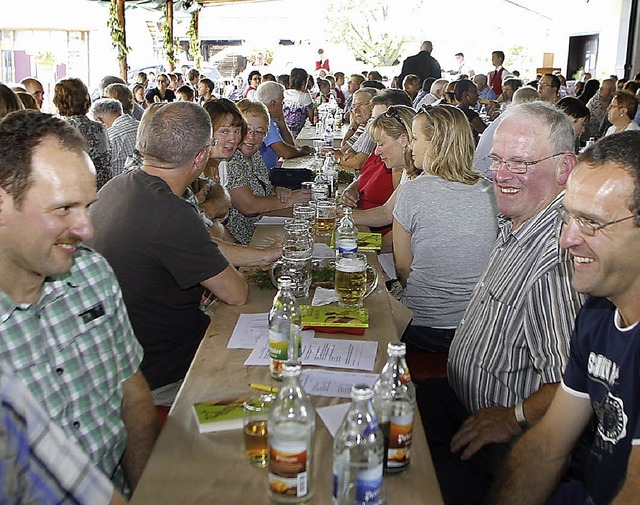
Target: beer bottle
<point>358,451</point>
<point>394,402</point>
<point>346,233</point>
<point>292,424</point>
<point>285,340</point>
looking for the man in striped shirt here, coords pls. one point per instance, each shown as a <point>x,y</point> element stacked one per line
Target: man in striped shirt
<point>510,348</point>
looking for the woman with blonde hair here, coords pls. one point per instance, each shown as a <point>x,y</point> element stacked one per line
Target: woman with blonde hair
<point>444,227</point>
<point>72,99</point>
<point>391,131</point>
<point>252,193</point>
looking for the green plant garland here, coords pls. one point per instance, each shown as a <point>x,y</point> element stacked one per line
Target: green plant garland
<point>117,32</point>
<point>170,49</point>
<point>194,42</point>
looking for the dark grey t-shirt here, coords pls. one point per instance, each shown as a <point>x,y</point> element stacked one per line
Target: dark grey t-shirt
<point>160,251</point>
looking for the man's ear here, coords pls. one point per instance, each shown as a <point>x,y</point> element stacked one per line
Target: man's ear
<point>5,199</point>
<point>200,161</point>
<point>565,167</point>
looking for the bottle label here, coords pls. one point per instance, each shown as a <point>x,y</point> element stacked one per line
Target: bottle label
<point>278,350</point>
<point>288,468</point>
<point>400,433</point>
<point>368,484</point>
<point>347,246</point>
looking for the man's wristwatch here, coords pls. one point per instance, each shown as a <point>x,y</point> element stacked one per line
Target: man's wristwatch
<point>520,419</point>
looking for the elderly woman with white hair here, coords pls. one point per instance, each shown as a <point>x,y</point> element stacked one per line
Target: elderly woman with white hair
<point>278,143</point>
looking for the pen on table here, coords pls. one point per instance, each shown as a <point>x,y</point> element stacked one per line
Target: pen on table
<point>263,388</point>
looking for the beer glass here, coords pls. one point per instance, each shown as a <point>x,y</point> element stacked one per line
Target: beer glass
<point>256,413</point>
<point>351,279</point>
<point>325,217</point>
<point>304,212</point>
<point>319,191</point>
<point>296,263</point>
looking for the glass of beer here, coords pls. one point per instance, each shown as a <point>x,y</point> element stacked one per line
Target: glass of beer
<point>305,212</point>
<point>256,413</point>
<point>351,279</point>
<point>325,217</point>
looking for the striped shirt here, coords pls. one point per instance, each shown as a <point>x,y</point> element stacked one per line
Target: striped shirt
<point>365,143</point>
<point>514,335</point>
<point>122,135</point>
<point>73,350</point>
<point>39,463</point>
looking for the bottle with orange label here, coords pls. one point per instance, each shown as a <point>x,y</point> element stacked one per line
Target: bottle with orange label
<point>394,402</point>
<point>292,426</point>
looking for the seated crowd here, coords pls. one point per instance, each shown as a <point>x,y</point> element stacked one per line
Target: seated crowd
<point>123,217</point>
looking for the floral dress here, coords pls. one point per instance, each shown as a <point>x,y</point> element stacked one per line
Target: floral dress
<point>96,137</point>
<point>252,173</point>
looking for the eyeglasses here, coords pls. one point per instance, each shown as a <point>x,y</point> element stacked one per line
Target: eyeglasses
<point>544,85</point>
<point>356,105</point>
<point>392,113</point>
<point>516,166</point>
<point>585,225</point>
<point>425,109</point>
<point>256,133</point>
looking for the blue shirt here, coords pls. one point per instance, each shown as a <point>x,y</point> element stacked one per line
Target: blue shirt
<point>38,463</point>
<point>268,154</point>
<point>603,368</point>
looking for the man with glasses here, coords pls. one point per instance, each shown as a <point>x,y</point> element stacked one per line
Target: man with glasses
<point>600,216</point>
<point>161,93</point>
<point>549,87</point>
<point>509,351</point>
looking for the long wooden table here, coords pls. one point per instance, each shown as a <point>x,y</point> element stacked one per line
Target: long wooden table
<point>189,468</point>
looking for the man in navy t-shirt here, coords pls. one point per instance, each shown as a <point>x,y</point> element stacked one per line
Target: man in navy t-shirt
<point>601,216</point>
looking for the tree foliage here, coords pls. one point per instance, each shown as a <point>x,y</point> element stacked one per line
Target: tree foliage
<point>375,32</point>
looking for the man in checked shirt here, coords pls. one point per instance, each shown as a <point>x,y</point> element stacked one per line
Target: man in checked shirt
<point>65,330</point>
<point>510,349</point>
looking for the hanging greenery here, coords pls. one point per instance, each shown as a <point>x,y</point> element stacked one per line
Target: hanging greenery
<point>117,32</point>
<point>194,41</point>
<point>170,48</point>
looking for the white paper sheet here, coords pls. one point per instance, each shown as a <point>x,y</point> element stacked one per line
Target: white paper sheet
<point>251,328</point>
<point>324,296</point>
<point>333,415</point>
<point>323,251</point>
<point>328,352</point>
<point>272,220</point>
<point>332,383</point>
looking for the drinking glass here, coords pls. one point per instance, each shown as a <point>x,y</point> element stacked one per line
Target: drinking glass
<point>325,217</point>
<point>256,413</point>
<point>303,212</point>
<point>351,279</point>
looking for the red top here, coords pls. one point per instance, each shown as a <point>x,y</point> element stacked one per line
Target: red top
<point>375,186</point>
<point>322,64</point>
<point>495,81</point>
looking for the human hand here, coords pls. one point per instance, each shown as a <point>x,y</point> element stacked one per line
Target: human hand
<point>283,194</point>
<point>493,425</point>
<point>306,150</point>
<point>299,196</point>
<point>273,252</point>
<point>350,197</point>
